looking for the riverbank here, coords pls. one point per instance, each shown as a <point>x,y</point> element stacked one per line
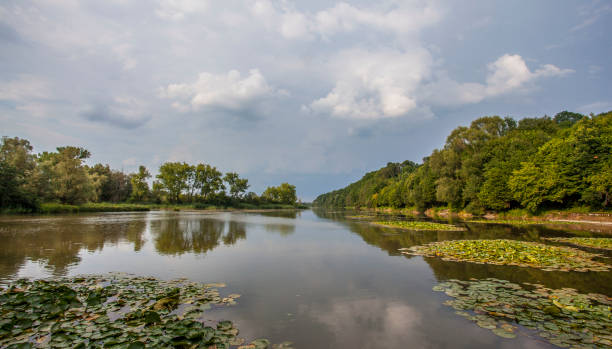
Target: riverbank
<point>55,208</point>
<point>578,216</point>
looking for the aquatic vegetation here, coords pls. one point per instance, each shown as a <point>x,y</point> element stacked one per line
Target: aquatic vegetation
<point>511,252</point>
<point>514,221</point>
<point>563,317</point>
<point>361,217</point>
<point>601,243</point>
<point>116,310</point>
<point>414,225</point>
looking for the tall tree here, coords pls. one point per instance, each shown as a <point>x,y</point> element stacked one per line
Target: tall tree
<point>237,185</point>
<point>69,181</point>
<point>173,178</point>
<point>208,180</point>
<point>140,186</point>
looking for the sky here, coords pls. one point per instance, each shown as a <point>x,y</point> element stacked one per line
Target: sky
<point>314,93</point>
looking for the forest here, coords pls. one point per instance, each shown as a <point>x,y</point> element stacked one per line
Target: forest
<point>29,180</point>
<point>498,164</point>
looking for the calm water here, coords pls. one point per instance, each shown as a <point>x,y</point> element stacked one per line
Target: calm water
<point>318,279</point>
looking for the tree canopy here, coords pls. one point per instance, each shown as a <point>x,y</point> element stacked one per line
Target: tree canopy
<point>499,164</point>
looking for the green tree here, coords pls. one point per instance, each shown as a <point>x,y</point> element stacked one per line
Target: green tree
<point>140,186</point>
<point>237,185</point>
<point>173,178</point>
<point>283,194</point>
<point>67,175</point>
<point>18,166</point>
<point>208,180</point>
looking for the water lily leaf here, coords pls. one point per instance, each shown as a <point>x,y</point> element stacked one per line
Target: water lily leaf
<point>503,333</point>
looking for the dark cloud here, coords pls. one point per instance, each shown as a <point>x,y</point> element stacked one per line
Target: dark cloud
<point>104,114</point>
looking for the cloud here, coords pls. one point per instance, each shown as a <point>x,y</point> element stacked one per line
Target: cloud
<point>25,88</point>
<point>404,18</point>
<point>375,84</point>
<point>507,74</point>
<point>178,9</point>
<point>87,33</point>
<point>393,321</point>
<point>123,112</point>
<point>228,91</point>
<point>591,13</point>
<point>597,107</point>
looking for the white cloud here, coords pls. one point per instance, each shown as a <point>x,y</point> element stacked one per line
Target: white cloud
<point>343,17</point>
<point>373,85</point>
<point>25,88</point>
<point>226,91</point>
<point>590,14</point>
<point>395,322</point>
<point>507,74</point>
<point>178,9</point>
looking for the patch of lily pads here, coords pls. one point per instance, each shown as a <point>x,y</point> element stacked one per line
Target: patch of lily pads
<point>600,243</point>
<point>361,217</point>
<point>511,252</point>
<point>117,311</point>
<point>416,225</point>
<point>563,317</point>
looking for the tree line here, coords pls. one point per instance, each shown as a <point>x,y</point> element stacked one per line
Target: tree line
<point>28,179</point>
<point>499,164</point>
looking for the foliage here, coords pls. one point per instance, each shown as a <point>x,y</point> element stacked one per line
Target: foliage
<point>173,179</point>
<point>68,179</point>
<point>140,187</point>
<point>499,164</point>
<point>365,192</point>
<point>564,317</point>
<point>414,225</point>
<point>115,310</point>
<point>283,194</point>
<point>64,183</point>
<point>109,185</point>
<point>208,180</point>
<point>237,185</point>
<point>601,243</point>
<point>511,252</point>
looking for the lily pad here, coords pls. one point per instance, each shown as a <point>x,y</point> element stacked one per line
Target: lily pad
<point>512,252</point>
<point>415,225</point>
<point>600,243</point>
<point>564,317</point>
<point>112,310</point>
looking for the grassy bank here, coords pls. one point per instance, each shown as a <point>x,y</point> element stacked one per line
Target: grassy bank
<point>53,208</point>
<point>57,208</point>
<point>575,213</point>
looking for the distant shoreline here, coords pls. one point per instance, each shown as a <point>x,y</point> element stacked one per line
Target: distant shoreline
<point>54,208</point>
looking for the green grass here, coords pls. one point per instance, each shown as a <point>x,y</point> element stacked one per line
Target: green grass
<point>414,225</point>
<point>511,252</point>
<point>57,208</point>
<point>601,243</point>
<point>53,208</point>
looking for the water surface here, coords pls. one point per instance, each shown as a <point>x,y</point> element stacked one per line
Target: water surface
<point>319,279</point>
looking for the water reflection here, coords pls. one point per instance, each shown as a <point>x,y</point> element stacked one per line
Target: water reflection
<point>178,235</point>
<point>391,240</point>
<point>57,242</point>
